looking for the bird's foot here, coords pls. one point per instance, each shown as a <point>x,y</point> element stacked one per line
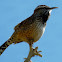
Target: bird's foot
<point>32,53</point>
<point>35,52</point>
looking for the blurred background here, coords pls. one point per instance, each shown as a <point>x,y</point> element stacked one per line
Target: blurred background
<point>13,12</point>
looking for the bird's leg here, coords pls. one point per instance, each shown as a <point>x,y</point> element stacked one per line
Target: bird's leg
<point>32,53</point>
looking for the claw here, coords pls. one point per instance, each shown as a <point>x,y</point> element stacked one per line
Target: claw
<point>25,58</point>
<point>39,51</point>
<point>38,54</point>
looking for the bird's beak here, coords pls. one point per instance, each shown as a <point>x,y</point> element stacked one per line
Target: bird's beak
<point>53,8</point>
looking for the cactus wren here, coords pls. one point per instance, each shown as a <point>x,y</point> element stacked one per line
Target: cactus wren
<point>31,29</point>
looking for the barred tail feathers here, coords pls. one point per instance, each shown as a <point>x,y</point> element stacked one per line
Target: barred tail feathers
<point>4,46</point>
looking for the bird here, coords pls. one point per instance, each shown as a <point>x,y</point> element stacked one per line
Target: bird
<point>31,29</point>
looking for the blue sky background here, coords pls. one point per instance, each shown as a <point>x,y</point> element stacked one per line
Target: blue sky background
<point>14,11</point>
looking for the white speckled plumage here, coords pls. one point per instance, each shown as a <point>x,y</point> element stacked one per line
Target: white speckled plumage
<point>31,29</point>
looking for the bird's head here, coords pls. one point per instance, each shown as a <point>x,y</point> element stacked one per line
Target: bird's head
<point>43,9</point>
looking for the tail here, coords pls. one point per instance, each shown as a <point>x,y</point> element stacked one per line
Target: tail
<point>5,45</point>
